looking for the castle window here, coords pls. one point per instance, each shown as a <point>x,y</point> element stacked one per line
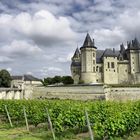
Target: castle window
<point>108,65</point>
<point>93,54</point>
<point>93,69</point>
<point>97,68</point>
<point>93,62</point>
<point>100,69</point>
<point>112,65</point>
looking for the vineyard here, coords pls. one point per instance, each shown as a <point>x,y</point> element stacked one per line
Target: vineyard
<point>107,119</point>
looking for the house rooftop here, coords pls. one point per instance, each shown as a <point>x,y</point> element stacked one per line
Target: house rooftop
<point>25,78</point>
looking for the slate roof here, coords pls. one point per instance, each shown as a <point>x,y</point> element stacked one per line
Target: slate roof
<point>110,53</point>
<point>77,52</point>
<point>105,53</point>
<point>78,64</point>
<point>25,77</point>
<point>99,54</point>
<point>88,43</point>
<point>133,45</point>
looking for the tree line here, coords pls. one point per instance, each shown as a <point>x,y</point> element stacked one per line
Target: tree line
<point>5,79</point>
<point>57,80</point>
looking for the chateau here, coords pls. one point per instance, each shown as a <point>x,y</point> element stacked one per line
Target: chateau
<point>109,66</point>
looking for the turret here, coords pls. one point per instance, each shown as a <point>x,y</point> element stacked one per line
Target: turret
<point>76,56</point>
<point>122,48</point>
<point>76,66</point>
<point>88,60</point>
<point>133,53</point>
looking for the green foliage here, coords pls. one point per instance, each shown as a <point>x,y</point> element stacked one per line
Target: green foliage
<point>67,80</point>
<point>47,81</point>
<point>5,78</point>
<point>57,79</point>
<point>108,119</point>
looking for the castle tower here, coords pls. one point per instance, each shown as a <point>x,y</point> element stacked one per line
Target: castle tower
<point>88,61</point>
<point>134,56</point>
<point>76,66</point>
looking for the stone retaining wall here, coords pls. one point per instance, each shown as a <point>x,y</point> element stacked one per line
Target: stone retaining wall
<point>122,94</point>
<point>73,92</point>
<point>15,93</point>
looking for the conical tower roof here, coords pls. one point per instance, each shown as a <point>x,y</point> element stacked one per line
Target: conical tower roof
<point>77,52</point>
<point>122,48</point>
<point>88,42</point>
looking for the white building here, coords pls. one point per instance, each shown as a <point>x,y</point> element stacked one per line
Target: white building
<point>20,81</point>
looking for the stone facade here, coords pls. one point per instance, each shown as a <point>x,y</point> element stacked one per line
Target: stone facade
<point>109,66</point>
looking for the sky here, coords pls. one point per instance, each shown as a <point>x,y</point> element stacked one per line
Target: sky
<point>39,37</point>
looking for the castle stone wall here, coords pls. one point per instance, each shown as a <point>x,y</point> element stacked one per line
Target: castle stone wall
<point>110,74</point>
<point>123,73</point>
<point>122,94</point>
<point>73,92</point>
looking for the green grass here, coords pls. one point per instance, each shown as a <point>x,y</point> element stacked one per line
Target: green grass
<point>20,133</point>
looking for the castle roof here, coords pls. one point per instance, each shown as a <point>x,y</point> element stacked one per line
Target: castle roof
<point>105,53</point>
<point>133,45</point>
<point>88,43</point>
<point>76,64</point>
<point>25,78</point>
<point>77,52</point>
<point>110,53</point>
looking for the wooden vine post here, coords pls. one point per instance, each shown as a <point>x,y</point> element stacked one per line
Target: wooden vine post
<point>50,124</point>
<point>26,120</point>
<point>9,118</point>
<point>89,126</point>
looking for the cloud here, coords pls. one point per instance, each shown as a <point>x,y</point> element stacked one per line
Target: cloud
<point>21,48</point>
<point>50,71</point>
<point>65,59</point>
<point>5,59</point>
<point>35,34</point>
<point>9,69</point>
<point>42,27</point>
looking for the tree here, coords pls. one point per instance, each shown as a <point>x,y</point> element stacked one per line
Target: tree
<point>5,78</point>
<point>47,81</point>
<point>67,80</point>
<point>57,79</point>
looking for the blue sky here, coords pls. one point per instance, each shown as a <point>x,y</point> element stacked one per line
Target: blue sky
<point>39,37</point>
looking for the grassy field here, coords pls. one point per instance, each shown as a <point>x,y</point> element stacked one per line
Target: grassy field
<point>20,133</point>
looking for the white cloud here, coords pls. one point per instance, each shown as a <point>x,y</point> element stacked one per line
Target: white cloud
<point>5,59</point>
<point>59,25</point>
<point>21,48</point>
<point>9,69</point>
<point>50,71</point>
<point>54,69</point>
<point>67,58</point>
<point>43,27</point>
<point>29,72</point>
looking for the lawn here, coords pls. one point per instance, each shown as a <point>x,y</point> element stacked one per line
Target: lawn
<point>20,133</point>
